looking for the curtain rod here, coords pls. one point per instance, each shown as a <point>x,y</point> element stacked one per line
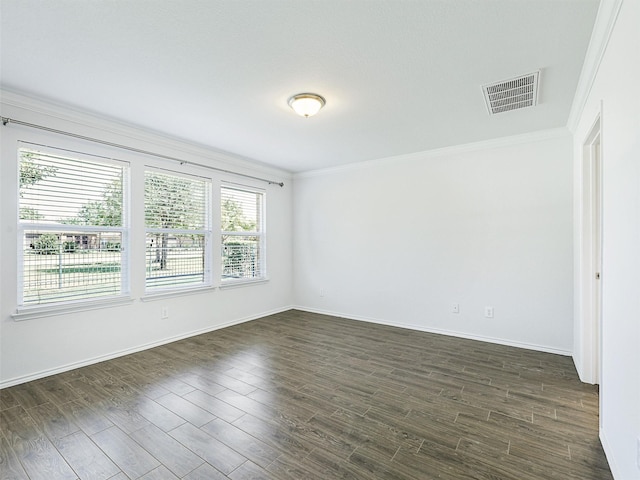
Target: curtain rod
<point>6,120</point>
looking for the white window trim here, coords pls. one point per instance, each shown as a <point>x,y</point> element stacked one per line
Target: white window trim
<point>262,235</point>
<point>50,310</point>
<point>177,292</point>
<point>242,282</point>
<point>25,312</point>
<point>207,283</point>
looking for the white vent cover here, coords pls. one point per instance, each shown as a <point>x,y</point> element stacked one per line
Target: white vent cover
<point>519,92</point>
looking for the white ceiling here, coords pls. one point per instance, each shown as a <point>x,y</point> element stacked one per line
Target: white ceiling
<point>399,76</point>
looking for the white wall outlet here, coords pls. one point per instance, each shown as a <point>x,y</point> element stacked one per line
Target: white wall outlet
<point>488,312</point>
<point>322,292</point>
<point>455,308</point>
<point>164,312</point>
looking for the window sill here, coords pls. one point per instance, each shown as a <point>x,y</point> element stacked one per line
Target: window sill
<point>29,313</point>
<point>161,295</point>
<point>241,283</point>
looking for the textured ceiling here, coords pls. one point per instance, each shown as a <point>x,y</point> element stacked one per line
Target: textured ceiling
<point>399,76</point>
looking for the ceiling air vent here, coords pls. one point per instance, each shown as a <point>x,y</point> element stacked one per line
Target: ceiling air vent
<point>519,92</point>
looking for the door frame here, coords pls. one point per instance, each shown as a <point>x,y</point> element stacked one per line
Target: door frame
<point>591,275</point>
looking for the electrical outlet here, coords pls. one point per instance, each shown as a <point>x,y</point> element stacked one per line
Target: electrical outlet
<point>164,312</point>
<point>488,312</point>
<point>455,308</point>
<point>322,292</point>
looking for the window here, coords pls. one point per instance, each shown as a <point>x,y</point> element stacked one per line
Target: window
<point>242,225</point>
<point>178,232</point>
<point>72,225</point>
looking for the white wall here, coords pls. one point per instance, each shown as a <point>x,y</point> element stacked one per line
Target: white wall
<point>616,89</point>
<point>36,347</point>
<point>399,241</point>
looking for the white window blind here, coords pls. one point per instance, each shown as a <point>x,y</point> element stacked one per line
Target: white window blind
<point>72,227</point>
<point>243,235</point>
<point>178,230</point>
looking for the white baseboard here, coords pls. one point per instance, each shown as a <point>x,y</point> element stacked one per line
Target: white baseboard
<point>439,331</point>
<point>608,452</point>
<point>71,366</point>
<point>139,348</point>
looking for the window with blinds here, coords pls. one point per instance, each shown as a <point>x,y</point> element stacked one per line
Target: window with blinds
<point>72,222</point>
<point>178,230</point>
<point>243,236</point>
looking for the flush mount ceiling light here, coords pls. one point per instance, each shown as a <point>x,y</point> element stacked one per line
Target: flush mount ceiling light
<point>306,104</point>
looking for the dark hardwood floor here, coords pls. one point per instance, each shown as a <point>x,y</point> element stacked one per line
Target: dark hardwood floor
<point>306,396</point>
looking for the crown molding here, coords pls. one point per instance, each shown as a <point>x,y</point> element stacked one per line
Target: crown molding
<point>602,29</point>
<point>49,112</point>
<point>500,142</point>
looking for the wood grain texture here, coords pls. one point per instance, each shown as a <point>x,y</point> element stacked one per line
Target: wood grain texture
<point>84,456</point>
<point>305,396</point>
<point>125,452</point>
<point>10,467</point>
<point>34,450</point>
<point>171,453</point>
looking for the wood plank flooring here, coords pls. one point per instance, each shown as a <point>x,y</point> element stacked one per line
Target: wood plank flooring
<point>304,396</point>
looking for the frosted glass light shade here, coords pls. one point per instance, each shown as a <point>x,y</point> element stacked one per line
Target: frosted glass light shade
<point>306,104</point>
